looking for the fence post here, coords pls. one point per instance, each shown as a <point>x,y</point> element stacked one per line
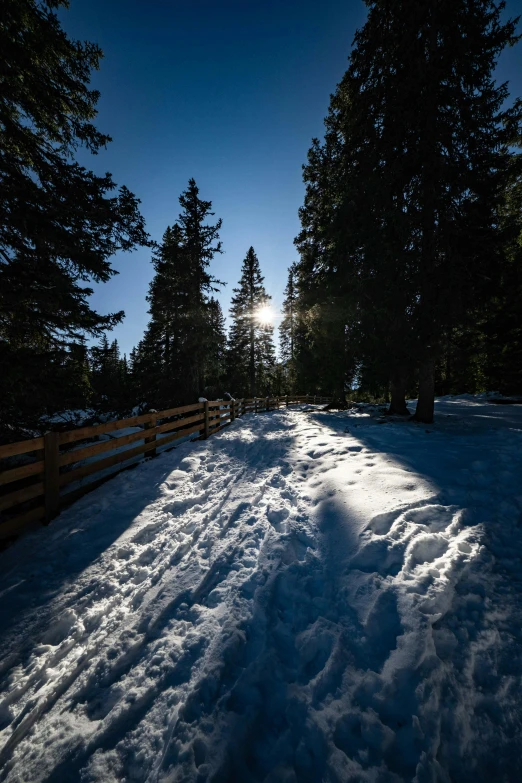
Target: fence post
<point>148,426</point>
<point>314,398</point>
<point>286,400</point>
<point>232,410</point>
<point>268,403</point>
<point>51,475</point>
<point>207,421</point>
<point>255,404</point>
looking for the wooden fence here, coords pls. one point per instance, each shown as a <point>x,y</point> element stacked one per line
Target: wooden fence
<point>52,470</point>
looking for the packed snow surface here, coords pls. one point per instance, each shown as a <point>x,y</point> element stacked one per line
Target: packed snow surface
<point>306,596</point>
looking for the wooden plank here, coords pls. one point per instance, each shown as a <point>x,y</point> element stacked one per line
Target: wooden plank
<point>21,495</point>
<point>123,456</point>
<point>16,525</point>
<point>102,464</point>
<point>71,497</point>
<point>178,411</point>
<point>69,457</point>
<point>101,429</point>
<point>15,474</point>
<point>217,423</point>
<point>21,447</point>
<point>206,422</point>
<point>180,434</point>
<point>75,494</point>
<point>220,427</point>
<point>151,428</point>
<point>176,425</point>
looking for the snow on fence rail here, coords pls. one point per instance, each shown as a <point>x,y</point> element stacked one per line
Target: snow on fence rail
<point>57,464</point>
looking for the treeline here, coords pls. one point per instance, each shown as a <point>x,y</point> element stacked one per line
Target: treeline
<point>185,351</point>
<point>60,224</point>
<point>409,277</point>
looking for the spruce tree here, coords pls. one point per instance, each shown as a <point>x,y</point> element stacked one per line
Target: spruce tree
<point>403,201</point>
<point>500,323</point>
<point>166,335</point>
<point>109,377</point>
<point>59,223</point>
<point>215,359</point>
<point>201,243</point>
<point>288,328</point>
<point>326,303</point>
<point>251,354</point>
<point>181,347</point>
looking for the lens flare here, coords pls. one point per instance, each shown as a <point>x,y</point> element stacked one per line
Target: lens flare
<point>264,315</point>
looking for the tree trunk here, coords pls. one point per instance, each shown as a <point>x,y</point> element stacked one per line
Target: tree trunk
<point>426,401</point>
<point>398,394</point>
<point>432,190</point>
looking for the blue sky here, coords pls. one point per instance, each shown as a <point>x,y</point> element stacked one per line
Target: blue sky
<point>229,92</point>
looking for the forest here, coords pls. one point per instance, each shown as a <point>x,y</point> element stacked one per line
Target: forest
<point>198,585</point>
<point>408,275</point>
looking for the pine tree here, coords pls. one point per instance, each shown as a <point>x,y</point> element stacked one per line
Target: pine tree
<point>215,360</point>
<point>288,329</point>
<point>179,353</point>
<point>59,223</point>
<point>109,378</point>
<point>500,324</point>
<point>166,335</point>
<point>200,245</point>
<point>251,354</point>
<point>401,215</point>
<point>327,302</point>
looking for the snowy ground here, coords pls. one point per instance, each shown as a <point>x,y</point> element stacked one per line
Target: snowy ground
<point>306,596</point>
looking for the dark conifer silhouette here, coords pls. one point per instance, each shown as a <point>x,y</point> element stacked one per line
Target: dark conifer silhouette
<point>59,223</point>
<point>251,354</point>
<point>402,216</point>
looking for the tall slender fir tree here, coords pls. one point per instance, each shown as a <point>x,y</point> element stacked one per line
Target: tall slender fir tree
<point>60,224</point>
<point>251,354</point>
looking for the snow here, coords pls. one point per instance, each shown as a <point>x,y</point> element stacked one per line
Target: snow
<point>306,596</point>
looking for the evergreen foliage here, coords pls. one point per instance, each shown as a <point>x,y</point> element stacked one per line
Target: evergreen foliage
<point>59,222</point>
<point>251,354</point>
<point>216,356</point>
<point>110,379</point>
<point>401,224</point>
<point>182,351</point>
<point>288,330</point>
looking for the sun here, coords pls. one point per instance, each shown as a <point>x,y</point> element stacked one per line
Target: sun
<point>264,315</point>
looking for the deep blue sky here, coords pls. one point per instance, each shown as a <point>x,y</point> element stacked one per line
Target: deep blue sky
<point>229,92</point>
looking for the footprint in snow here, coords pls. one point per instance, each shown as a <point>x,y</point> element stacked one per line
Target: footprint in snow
<point>425,548</point>
<point>277,515</point>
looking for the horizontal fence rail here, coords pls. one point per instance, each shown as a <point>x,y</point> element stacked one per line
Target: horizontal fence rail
<point>60,467</point>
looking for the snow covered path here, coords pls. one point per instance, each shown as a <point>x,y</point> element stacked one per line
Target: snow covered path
<point>306,596</point>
